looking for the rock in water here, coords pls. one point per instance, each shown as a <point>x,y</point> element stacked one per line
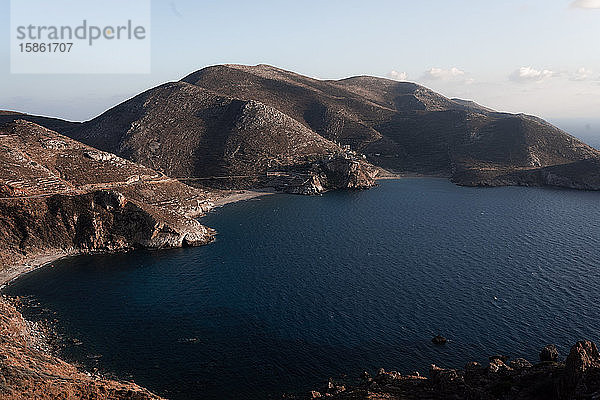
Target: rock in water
<point>549,353</point>
<point>439,339</point>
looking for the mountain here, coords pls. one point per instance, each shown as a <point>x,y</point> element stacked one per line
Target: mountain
<point>186,131</point>
<point>236,125</point>
<point>405,127</point>
<point>60,196</point>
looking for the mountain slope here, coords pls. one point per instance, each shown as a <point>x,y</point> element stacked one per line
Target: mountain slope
<point>187,131</point>
<point>190,131</point>
<point>252,121</point>
<point>403,126</point>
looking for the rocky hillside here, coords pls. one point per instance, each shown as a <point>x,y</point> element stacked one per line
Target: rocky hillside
<point>578,377</point>
<point>264,126</point>
<point>61,196</point>
<point>407,128</point>
<point>187,131</point>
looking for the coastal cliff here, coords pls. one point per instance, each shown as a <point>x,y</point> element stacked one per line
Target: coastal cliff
<point>58,196</point>
<point>92,222</point>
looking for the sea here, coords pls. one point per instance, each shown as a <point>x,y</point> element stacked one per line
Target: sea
<point>299,289</point>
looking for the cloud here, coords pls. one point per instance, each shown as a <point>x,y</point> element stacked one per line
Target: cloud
<point>398,76</point>
<point>587,4</point>
<point>582,74</point>
<point>530,74</point>
<point>443,74</point>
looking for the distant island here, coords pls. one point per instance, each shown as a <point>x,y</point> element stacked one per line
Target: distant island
<point>139,175</point>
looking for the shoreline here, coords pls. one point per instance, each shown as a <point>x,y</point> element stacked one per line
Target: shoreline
<point>242,195</point>
<point>378,383</point>
<point>32,263</point>
<point>10,274</point>
<point>35,262</point>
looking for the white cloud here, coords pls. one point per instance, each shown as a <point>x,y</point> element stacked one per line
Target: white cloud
<point>444,74</point>
<point>588,4</point>
<point>582,74</point>
<point>398,76</point>
<point>530,74</point>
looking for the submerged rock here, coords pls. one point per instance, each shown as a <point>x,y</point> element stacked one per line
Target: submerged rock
<point>439,340</point>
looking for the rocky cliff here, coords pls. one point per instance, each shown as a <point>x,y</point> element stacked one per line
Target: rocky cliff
<point>91,222</point>
<point>60,196</point>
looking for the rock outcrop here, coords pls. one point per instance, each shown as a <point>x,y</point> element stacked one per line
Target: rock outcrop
<point>333,173</point>
<point>576,378</point>
<point>582,371</point>
<point>549,353</point>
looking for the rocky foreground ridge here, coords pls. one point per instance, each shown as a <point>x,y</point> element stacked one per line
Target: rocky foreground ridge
<point>578,377</point>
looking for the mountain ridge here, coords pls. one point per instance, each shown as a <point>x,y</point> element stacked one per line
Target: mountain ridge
<point>246,120</point>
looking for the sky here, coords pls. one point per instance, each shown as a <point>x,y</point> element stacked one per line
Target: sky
<point>540,57</point>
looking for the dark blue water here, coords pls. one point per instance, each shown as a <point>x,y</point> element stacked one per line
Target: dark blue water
<point>297,289</point>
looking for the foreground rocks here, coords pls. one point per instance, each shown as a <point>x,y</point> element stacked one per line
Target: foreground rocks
<point>578,377</point>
